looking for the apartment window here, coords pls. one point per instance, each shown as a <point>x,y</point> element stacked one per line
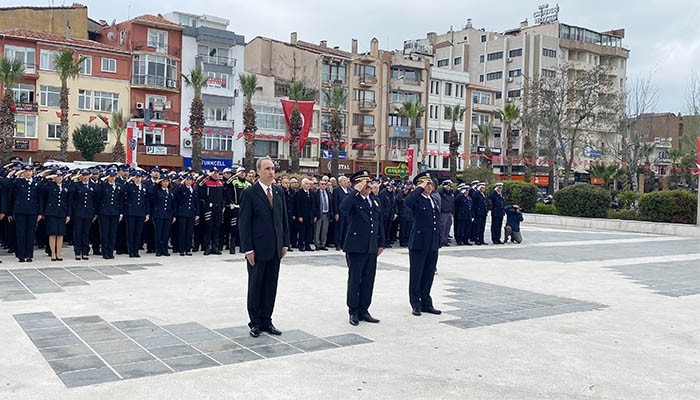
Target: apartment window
<point>434,87</point>
<point>548,73</point>
<point>333,73</point>
<point>215,55</point>
<point>109,65</point>
<point>365,71</point>
<point>47,60</point>
<point>25,126</point>
<point>480,119</point>
<point>481,58</point>
<point>49,96</point>
<point>446,137</point>
<point>155,71</point>
<point>481,98</point>
<point>269,118</point>
<point>362,95</point>
<point>513,93</point>
<point>158,39</point>
<point>499,95</point>
<point>514,73</point>
<point>216,114</point>
<point>306,150</point>
<point>448,89</point>
<point>106,101</point>
<point>481,78</point>
<point>515,53</point>
<point>23,93</point>
<point>326,119</point>
<point>494,75</point>
<point>266,148</point>
<point>483,38</point>
<point>26,54</point>
<point>53,131</point>
<point>443,63</point>
<point>549,53</point>
<point>154,136</point>
<point>86,66</point>
<point>446,162</point>
<point>187,21</point>
<point>412,76</point>
<point>363,120</point>
<point>457,61</point>
<point>401,97</point>
<point>444,113</point>
<point>495,56</point>
<point>218,80</point>
<point>217,142</point>
<point>84,99</point>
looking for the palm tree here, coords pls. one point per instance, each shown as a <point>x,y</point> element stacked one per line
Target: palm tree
<point>509,115</point>
<point>117,124</point>
<point>605,172</point>
<point>11,71</point>
<point>297,91</point>
<point>68,67</point>
<point>485,132</point>
<point>454,114</point>
<point>336,97</point>
<point>413,112</point>
<point>249,83</point>
<point>196,79</point>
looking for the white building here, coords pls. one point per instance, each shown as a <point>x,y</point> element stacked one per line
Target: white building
<point>207,42</point>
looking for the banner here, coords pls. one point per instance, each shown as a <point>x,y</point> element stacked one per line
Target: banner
<point>131,142</point>
<point>409,161</point>
<point>697,155</point>
<point>306,109</point>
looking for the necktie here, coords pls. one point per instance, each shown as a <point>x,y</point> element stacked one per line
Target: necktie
<point>269,196</point>
<point>325,201</point>
<point>370,202</point>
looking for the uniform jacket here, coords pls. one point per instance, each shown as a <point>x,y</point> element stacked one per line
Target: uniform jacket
<point>83,200</point>
<point>54,200</point>
<point>186,202</point>
<point>498,204</point>
<point>479,206</point>
<point>425,231</point>
<point>25,197</point>
<point>136,200</point>
<point>388,204</point>
<point>109,199</point>
<point>365,227</point>
<point>463,207</point>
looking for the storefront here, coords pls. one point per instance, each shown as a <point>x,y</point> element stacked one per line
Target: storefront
<point>209,163</point>
<point>344,166</point>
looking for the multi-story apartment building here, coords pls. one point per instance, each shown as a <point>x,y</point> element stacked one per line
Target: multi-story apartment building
<point>101,87</point>
<point>207,43</point>
<point>48,19</point>
<point>482,104</point>
<point>155,45</point>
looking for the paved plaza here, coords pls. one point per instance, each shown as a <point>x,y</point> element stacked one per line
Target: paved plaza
<point>568,314</point>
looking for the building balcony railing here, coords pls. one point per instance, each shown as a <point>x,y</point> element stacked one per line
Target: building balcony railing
<point>157,116</point>
<point>158,149</point>
<point>366,58</point>
<point>27,107</point>
<point>217,60</point>
<point>366,105</point>
<point>157,47</point>
<point>366,130</point>
<point>334,79</point>
<point>405,132</point>
<point>154,80</point>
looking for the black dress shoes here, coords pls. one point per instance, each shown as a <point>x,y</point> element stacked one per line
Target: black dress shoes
<point>432,310</point>
<point>255,331</point>
<point>354,320</point>
<point>272,330</point>
<point>367,317</point>
<point>416,312</point>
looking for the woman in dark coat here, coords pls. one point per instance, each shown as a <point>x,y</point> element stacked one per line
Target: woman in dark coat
<point>55,209</point>
<point>163,214</point>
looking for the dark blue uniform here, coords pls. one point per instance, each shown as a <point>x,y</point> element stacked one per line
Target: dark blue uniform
<point>304,209</point>
<point>388,206</point>
<point>498,205</point>
<point>480,210</point>
<point>55,207</point>
<point>25,209</point>
<point>83,201</point>
<point>340,227</point>
<point>423,245</point>
<point>162,212</point>
<point>463,218</point>
<point>186,209</point>
<point>136,208</point>
<point>109,210</point>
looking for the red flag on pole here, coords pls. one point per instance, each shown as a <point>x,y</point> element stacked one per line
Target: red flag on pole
<point>131,143</point>
<point>306,109</point>
<point>409,160</point>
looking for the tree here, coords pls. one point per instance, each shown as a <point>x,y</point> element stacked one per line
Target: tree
<point>117,124</point>
<point>11,71</point>
<point>89,140</point>
<point>509,115</point>
<point>485,133</point>
<point>297,91</point>
<point>412,111</point>
<point>196,79</point>
<point>336,97</point>
<point>530,124</point>
<point>249,84</point>
<point>454,113</point>
<point>605,172</point>
<point>67,64</point>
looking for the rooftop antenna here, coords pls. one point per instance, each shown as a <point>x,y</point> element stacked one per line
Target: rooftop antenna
<point>128,12</point>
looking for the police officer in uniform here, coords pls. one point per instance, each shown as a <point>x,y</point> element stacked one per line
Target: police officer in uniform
<point>363,243</point>
<point>55,209</point>
<point>82,213</point>
<point>136,206</point>
<point>463,215</point>
<point>163,213</point>
<point>235,185</point>
<point>186,213</point>
<point>110,212</point>
<point>480,209</point>
<point>25,211</point>
<point>498,205</point>
<point>122,179</point>
<point>423,244</point>
<point>211,193</point>
<point>148,230</point>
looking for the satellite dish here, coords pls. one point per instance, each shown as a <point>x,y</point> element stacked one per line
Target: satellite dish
<point>111,36</point>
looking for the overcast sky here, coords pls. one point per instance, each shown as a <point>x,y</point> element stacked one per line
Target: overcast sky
<point>662,35</point>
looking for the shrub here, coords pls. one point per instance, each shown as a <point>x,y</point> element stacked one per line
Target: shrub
<point>582,200</point>
<point>631,215</point>
<point>669,206</point>
<point>482,174</point>
<point>626,199</point>
<point>521,193</point>
<point>541,208</point>
<point>612,214</point>
<point>89,140</point>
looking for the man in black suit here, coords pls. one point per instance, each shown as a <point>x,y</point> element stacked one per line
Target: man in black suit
<point>364,242</point>
<point>480,209</point>
<point>264,233</point>
<point>305,215</point>
<point>341,224</point>
<point>498,205</point>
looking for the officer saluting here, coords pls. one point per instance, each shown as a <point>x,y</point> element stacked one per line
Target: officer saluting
<point>364,242</point>
<point>110,212</point>
<point>25,191</point>
<point>136,210</point>
<point>82,195</point>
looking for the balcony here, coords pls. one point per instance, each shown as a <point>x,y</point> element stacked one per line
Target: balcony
<point>217,60</point>
<point>366,105</point>
<point>367,80</point>
<point>164,116</point>
<point>405,132</point>
<point>398,155</point>
<point>155,81</point>
<point>366,58</point>
<point>27,107</point>
<point>159,48</point>
<point>366,130</point>
<point>333,79</point>
<point>159,149</point>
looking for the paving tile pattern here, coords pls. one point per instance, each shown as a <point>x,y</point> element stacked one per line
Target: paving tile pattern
<point>333,259</point>
<point>88,350</point>
<point>674,279</point>
<point>25,284</point>
<point>481,304</point>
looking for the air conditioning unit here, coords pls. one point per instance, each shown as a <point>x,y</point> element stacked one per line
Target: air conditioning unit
<point>510,59</point>
<point>187,143</point>
<point>510,79</point>
<point>139,106</point>
<point>171,83</point>
<point>168,105</point>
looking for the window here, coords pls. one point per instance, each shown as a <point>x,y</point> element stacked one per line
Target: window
<point>217,142</point>
<point>457,61</point>
<point>434,87</point>
<point>494,75</point>
<point>445,114</point>
<point>155,71</point>
<point>26,54</point>
<point>86,66</point>
<point>218,80</point>
<point>154,136</point>
<point>514,73</point>
<point>443,63</point>
<point>401,97</point>
<point>515,53</point>
<point>499,95</point>
<point>363,120</point>
<point>481,98</point>
<point>47,60</point>
<point>333,73</point>
<point>549,53</point>
<point>480,119</point>
<point>495,56</point>
<point>483,38</point>
<point>446,137</point>
<point>448,89</point>
<point>266,148</point>
<point>410,76</point>
<point>325,122</point>
<point>109,65</point>
<point>25,126</point>
<point>513,93</point>
<point>446,162</point>
<point>107,102</point>
<point>481,58</point>
<point>84,99</point>
<point>53,131</point>
<point>269,118</point>
<point>481,78</point>
<point>49,96</point>
<point>215,55</point>
<point>23,93</point>
<point>363,96</point>
<point>365,71</point>
<point>187,21</point>
<point>216,114</point>
<point>548,73</point>
<point>158,39</point>
<point>306,150</point>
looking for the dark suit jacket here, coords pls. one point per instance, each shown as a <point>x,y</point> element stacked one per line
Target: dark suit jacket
<point>338,196</point>
<point>498,204</point>
<point>263,229</point>
<point>365,228</point>
<point>479,204</point>
<point>304,205</point>
<point>425,232</point>
<point>318,203</point>
<point>83,200</point>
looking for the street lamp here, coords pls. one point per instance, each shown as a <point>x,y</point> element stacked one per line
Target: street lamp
<point>383,113</point>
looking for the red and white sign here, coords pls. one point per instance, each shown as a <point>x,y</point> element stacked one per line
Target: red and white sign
<point>131,143</point>
<point>216,82</point>
<point>409,161</point>
<point>306,109</point>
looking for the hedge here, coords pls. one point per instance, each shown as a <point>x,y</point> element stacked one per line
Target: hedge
<point>582,200</point>
<point>523,194</point>
<point>679,206</point>
<point>541,208</point>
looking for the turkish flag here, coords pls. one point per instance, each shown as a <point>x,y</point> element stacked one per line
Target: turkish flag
<point>131,143</point>
<point>306,109</point>
<point>92,118</point>
<point>409,160</point>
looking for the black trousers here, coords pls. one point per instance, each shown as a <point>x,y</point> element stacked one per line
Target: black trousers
<point>404,231</point>
<point>306,233</point>
<point>496,226</point>
<point>108,234</point>
<point>394,234</point>
<point>340,229</point>
<point>81,235</point>
<point>161,227</point>
<point>293,232</point>
<point>362,269</point>
<point>478,228</point>
<point>149,236</point>
<point>95,237</point>
<point>185,234</point>
<point>134,229</point>
<point>25,227</point>
<point>463,229</point>
<point>121,247</point>
<point>234,237</point>
<point>421,273</point>
<point>212,224</point>
<point>225,231</point>
<point>262,291</point>
<point>199,235</point>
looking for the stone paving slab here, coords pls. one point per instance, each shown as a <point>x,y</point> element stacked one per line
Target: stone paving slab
<point>674,279</point>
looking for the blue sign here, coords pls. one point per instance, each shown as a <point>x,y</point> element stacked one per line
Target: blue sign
<point>209,162</point>
<point>329,154</point>
<point>593,153</point>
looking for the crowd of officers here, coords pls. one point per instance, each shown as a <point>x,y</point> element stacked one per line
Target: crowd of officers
<point>115,209</point>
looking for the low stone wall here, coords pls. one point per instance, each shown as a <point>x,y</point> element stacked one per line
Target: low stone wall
<point>661,228</point>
